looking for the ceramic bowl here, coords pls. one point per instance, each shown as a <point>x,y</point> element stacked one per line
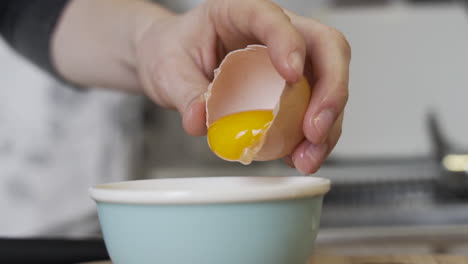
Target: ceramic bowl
<point>213,220</point>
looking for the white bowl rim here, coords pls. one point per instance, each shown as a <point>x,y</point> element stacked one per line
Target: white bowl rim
<point>204,190</point>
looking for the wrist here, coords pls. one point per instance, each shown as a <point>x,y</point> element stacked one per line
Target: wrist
<point>94,41</point>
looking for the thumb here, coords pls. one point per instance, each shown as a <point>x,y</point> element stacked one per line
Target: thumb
<point>189,100</point>
<point>194,116</point>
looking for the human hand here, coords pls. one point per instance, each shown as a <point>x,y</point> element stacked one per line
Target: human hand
<point>177,59</point>
<point>138,46</point>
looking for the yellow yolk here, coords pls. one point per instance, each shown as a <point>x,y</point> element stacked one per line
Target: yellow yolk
<point>230,135</point>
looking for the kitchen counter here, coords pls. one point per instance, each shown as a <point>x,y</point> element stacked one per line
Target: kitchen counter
<point>429,259</point>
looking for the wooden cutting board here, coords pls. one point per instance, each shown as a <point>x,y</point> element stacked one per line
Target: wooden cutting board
<point>377,260</point>
<point>390,260</point>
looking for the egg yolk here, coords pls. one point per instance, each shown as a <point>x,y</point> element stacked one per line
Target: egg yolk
<point>230,135</point>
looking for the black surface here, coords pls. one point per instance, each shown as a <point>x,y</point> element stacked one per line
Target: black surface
<point>45,251</point>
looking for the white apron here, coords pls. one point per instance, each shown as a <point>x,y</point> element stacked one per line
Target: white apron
<point>56,142</point>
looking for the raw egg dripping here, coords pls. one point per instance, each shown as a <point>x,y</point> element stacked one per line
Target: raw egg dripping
<point>252,113</point>
<point>233,134</point>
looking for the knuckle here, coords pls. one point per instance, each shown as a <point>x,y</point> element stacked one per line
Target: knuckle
<point>288,18</point>
<point>254,18</point>
<point>257,25</point>
<point>342,94</point>
<point>335,137</point>
<point>339,132</point>
<point>343,43</point>
<point>266,13</point>
<point>340,39</point>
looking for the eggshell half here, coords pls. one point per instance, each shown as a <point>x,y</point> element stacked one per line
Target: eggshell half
<point>247,80</point>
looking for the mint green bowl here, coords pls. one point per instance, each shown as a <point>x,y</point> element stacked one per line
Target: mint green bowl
<point>215,220</point>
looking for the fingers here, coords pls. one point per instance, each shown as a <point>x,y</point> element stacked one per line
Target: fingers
<point>329,54</point>
<point>191,103</point>
<point>187,86</point>
<point>308,157</point>
<point>266,22</point>
<point>335,134</point>
<point>194,118</point>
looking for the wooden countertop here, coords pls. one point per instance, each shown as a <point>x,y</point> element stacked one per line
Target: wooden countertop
<point>377,260</point>
<point>390,260</point>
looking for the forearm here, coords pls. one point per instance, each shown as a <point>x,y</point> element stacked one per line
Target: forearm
<point>94,41</point>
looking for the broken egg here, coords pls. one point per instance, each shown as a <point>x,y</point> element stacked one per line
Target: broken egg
<point>252,113</point>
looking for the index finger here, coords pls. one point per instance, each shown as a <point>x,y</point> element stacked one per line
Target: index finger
<point>267,23</point>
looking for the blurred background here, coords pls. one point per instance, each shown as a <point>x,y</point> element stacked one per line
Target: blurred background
<point>399,171</point>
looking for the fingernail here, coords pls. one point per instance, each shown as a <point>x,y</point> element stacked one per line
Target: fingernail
<point>303,167</point>
<point>323,123</point>
<point>316,154</point>
<point>301,163</point>
<point>302,172</point>
<point>296,62</point>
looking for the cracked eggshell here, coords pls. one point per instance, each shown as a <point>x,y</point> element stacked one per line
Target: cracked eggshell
<point>247,80</point>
